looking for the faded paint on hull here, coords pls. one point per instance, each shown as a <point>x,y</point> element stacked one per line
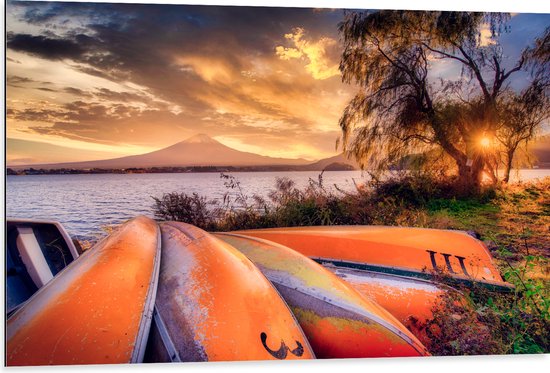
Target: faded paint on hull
<point>410,300</point>
<point>215,305</point>
<point>405,298</point>
<point>391,249</point>
<point>338,321</point>
<point>97,310</point>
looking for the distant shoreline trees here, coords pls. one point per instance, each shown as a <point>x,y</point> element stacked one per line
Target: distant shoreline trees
<point>335,166</point>
<point>476,120</point>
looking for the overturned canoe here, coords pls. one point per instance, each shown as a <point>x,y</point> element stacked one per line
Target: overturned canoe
<point>95,311</point>
<point>415,252</point>
<point>213,304</point>
<point>337,320</point>
<point>411,300</point>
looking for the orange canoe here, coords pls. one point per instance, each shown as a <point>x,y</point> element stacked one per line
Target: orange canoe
<point>95,311</point>
<point>415,252</point>
<point>411,300</point>
<point>338,321</point>
<point>213,304</point>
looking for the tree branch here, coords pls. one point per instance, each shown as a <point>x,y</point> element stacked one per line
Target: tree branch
<point>472,65</point>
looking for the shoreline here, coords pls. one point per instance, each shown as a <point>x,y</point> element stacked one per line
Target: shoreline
<point>191,170</point>
<point>169,170</point>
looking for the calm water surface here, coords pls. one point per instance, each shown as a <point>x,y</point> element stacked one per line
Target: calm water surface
<point>85,203</point>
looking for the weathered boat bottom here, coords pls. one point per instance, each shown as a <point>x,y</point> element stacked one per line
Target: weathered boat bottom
<point>174,293</point>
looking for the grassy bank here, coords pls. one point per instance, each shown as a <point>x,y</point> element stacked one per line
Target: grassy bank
<point>512,220</point>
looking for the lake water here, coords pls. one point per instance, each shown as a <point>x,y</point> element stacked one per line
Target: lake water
<point>85,203</point>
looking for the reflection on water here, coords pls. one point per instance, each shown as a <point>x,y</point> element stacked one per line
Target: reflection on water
<point>85,203</point>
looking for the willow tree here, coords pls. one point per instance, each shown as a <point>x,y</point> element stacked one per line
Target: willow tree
<point>403,107</point>
<point>521,117</point>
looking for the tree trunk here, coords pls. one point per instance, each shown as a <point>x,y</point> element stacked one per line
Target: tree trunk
<point>470,176</point>
<point>469,170</point>
<point>508,166</point>
<point>493,171</point>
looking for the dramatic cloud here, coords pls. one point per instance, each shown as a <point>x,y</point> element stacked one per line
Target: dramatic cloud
<point>14,80</point>
<point>18,81</point>
<point>144,76</point>
<point>53,49</point>
<point>319,65</point>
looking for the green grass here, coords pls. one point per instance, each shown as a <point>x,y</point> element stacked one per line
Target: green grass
<point>470,214</point>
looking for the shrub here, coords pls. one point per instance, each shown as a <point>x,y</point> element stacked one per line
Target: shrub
<point>192,209</point>
<point>397,200</point>
<point>460,327</point>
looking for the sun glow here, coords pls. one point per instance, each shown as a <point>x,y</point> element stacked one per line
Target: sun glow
<point>485,142</point>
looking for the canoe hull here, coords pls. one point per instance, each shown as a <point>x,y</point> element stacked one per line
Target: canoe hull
<point>213,304</point>
<point>97,310</point>
<point>410,300</point>
<point>411,252</point>
<point>338,321</point>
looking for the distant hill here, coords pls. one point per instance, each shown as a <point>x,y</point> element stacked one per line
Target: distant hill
<point>338,162</point>
<point>339,167</point>
<point>199,150</point>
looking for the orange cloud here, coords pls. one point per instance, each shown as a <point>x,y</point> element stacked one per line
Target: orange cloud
<point>315,52</point>
<point>209,69</point>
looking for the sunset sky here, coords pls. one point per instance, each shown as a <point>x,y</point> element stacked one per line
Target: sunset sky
<point>93,81</point>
